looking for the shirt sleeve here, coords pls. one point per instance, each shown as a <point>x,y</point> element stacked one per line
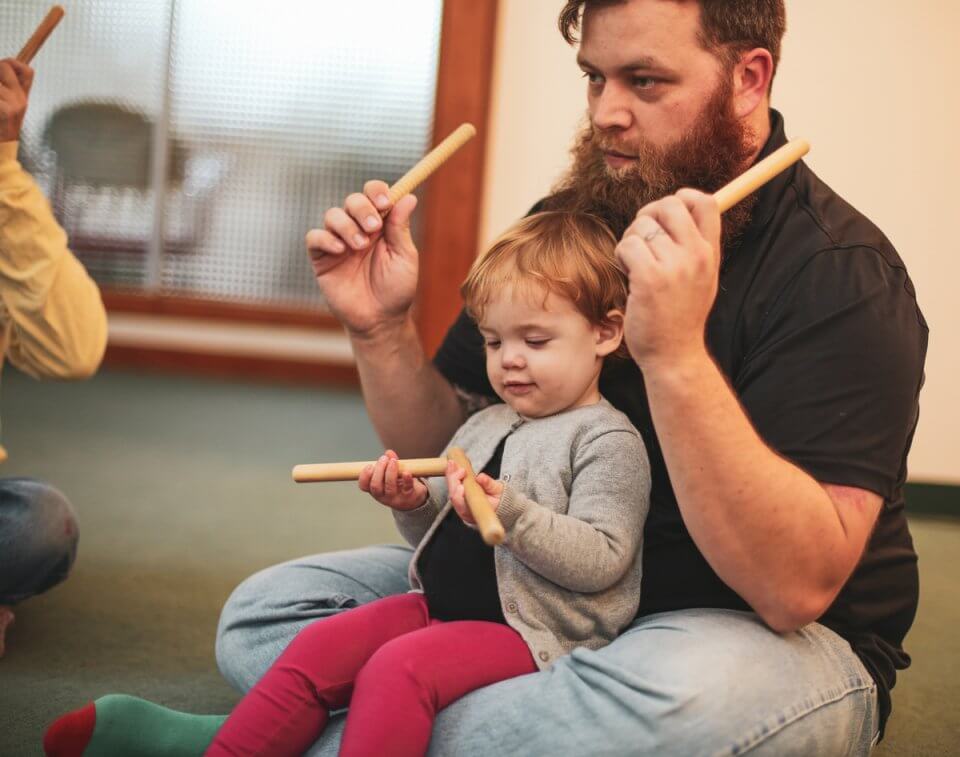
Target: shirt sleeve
<point>832,381</point>
<point>51,313</point>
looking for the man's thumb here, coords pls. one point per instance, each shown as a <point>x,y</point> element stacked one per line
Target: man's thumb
<point>396,226</point>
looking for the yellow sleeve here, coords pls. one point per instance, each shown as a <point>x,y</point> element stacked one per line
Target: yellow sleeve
<point>53,320</point>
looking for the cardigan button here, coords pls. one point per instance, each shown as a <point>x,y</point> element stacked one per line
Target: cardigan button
<point>511,606</point>
<point>544,656</point>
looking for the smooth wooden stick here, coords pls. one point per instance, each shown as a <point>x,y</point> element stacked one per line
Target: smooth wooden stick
<point>43,31</point>
<point>432,161</point>
<point>754,178</point>
<point>424,466</point>
<point>489,525</point>
<point>487,522</point>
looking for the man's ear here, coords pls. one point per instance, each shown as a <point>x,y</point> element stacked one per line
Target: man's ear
<point>609,334</point>
<point>751,81</point>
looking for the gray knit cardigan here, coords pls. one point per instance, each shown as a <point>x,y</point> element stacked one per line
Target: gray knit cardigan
<point>576,495</point>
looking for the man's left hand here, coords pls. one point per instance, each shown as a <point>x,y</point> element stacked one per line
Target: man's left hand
<point>15,81</point>
<point>671,253</point>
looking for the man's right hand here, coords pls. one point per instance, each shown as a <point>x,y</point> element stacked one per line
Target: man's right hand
<point>15,81</point>
<point>365,261</point>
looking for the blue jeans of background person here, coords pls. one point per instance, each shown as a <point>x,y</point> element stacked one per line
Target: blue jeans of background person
<point>38,538</point>
<point>690,682</point>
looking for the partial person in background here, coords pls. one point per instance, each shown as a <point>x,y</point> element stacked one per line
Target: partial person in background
<point>52,325</point>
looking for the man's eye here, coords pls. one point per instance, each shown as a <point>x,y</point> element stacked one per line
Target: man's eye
<point>592,78</point>
<point>644,82</point>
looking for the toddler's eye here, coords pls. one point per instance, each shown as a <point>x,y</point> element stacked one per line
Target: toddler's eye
<point>492,344</point>
<point>536,342</point>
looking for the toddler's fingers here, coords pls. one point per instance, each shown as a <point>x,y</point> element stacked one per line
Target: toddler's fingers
<point>365,475</point>
<point>376,482</point>
<point>390,477</point>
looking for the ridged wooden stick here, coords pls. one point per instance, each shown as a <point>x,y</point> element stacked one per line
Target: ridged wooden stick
<point>489,525</point>
<point>49,23</point>
<point>432,161</point>
<point>754,178</point>
<point>319,472</point>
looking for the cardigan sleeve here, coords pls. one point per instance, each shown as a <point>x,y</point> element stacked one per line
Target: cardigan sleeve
<point>591,546</point>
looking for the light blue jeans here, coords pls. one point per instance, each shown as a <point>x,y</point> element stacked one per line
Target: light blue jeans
<point>692,682</point>
<point>38,538</point>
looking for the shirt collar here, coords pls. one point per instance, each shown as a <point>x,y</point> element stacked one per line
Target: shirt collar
<point>770,194</point>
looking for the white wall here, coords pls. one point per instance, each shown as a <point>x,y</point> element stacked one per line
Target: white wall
<point>871,83</point>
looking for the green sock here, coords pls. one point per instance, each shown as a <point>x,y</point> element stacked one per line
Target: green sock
<point>122,726</point>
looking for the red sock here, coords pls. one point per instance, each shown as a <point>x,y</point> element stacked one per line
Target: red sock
<point>69,735</point>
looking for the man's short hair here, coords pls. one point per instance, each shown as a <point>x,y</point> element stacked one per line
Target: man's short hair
<point>728,27</point>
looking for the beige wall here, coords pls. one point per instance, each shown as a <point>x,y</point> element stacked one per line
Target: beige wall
<point>871,83</point>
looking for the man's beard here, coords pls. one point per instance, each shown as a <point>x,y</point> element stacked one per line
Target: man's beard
<point>711,155</point>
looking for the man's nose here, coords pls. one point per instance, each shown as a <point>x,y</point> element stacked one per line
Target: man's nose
<point>611,108</point>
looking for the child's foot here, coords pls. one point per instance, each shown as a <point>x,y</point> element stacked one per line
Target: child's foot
<point>6,620</point>
<point>120,725</point>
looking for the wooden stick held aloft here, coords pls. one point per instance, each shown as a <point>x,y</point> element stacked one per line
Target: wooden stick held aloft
<point>432,161</point>
<point>489,525</point>
<point>319,472</point>
<point>751,180</point>
<point>49,23</point>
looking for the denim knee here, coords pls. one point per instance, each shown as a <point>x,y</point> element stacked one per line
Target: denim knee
<point>38,538</point>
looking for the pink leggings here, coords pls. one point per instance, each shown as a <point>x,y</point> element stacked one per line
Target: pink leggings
<point>394,665</point>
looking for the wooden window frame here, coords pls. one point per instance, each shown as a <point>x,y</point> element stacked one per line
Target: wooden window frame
<point>449,218</point>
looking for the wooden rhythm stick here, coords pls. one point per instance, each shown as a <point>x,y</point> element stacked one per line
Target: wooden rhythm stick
<point>313,473</point>
<point>489,525</point>
<point>754,178</point>
<point>487,522</point>
<point>43,31</point>
<point>432,161</point>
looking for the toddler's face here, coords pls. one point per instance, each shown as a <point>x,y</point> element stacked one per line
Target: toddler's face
<point>543,356</point>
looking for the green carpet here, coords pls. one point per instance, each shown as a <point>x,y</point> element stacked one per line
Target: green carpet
<point>183,488</point>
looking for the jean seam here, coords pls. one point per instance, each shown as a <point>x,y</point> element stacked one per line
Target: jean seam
<point>798,713</point>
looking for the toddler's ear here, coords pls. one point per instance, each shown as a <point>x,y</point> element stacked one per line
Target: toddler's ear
<point>609,333</point>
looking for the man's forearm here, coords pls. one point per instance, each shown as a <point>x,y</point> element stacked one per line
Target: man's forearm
<point>768,529</point>
<point>414,409</point>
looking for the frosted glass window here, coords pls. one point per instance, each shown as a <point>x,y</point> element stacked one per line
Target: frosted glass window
<point>273,112</point>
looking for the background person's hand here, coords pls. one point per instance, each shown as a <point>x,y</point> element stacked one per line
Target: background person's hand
<point>385,483</point>
<point>671,253</point>
<point>491,487</point>
<point>16,79</point>
<point>366,265</point>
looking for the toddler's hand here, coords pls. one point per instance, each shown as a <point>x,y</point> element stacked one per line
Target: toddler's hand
<point>386,484</point>
<point>491,487</point>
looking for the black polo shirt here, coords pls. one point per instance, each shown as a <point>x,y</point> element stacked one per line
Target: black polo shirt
<point>817,329</point>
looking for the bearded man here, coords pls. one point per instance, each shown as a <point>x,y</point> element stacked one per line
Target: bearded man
<point>777,361</point>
